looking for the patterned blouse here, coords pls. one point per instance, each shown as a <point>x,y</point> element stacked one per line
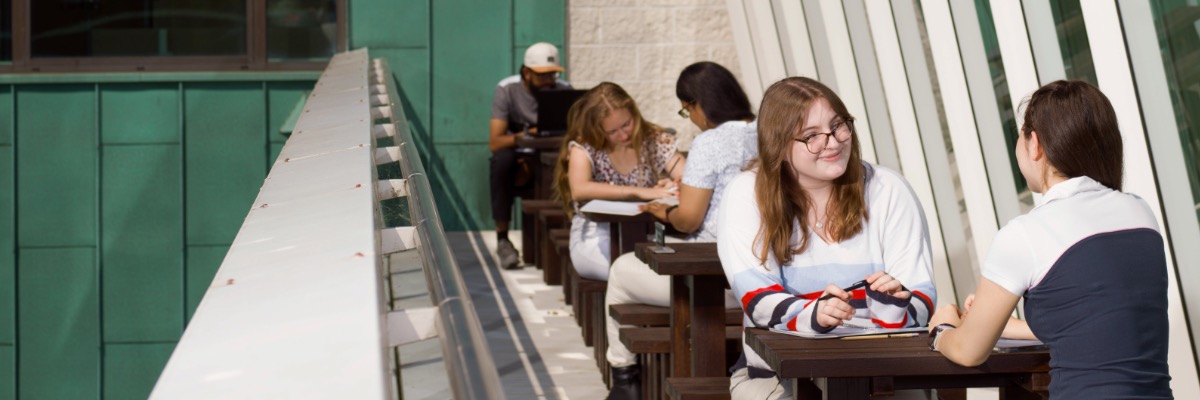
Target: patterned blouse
<point>656,151</point>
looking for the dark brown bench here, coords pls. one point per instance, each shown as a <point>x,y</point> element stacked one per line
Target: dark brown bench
<point>552,269</point>
<point>709,388</point>
<point>647,315</point>
<point>549,219</point>
<point>530,226</point>
<point>563,247</point>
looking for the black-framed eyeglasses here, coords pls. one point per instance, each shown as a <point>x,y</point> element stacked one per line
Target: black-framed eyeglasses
<point>683,112</point>
<point>839,130</point>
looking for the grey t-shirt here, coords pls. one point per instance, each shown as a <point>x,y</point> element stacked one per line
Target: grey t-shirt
<point>516,105</point>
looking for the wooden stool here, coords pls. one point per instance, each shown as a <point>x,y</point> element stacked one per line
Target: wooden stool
<point>647,315</point>
<point>653,347</point>
<point>552,271</point>
<point>563,246</point>
<point>530,225</point>
<point>549,219</point>
<point>711,388</point>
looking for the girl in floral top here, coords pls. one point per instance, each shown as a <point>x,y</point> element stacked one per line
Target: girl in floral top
<point>611,153</point>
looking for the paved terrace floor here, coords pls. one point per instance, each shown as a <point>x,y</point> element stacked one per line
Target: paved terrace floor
<point>532,334</point>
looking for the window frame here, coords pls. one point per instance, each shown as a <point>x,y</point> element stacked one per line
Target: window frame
<point>255,58</point>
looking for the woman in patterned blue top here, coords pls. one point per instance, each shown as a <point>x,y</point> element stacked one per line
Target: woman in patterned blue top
<point>714,102</point>
<point>1089,260</point>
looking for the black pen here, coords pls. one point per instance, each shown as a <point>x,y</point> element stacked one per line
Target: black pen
<point>855,285</point>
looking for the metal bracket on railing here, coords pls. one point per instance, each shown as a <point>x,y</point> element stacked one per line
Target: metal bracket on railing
<point>385,131</point>
<point>386,155</point>
<point>395,240</point>
<point>411,325</point>
<point>391,188</point>
<point>384,112</point>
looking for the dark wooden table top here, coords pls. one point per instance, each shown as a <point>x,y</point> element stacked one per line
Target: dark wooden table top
<point>688,259</point>
<point>540,143</point>
<point>601,217</point>
<point>795,357</point>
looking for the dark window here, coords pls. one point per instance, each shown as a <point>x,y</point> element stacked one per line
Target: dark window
<point>137,28</point>
<point>169,35</point>
<point>5,30</point>
<point>301,29</point>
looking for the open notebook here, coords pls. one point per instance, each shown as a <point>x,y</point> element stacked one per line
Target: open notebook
<point>849,331</point>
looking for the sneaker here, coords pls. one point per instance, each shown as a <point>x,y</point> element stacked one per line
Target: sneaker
<point>509,259</point>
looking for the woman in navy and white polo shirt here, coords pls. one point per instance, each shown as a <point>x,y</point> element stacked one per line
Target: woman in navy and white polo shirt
<point>1089,261</point>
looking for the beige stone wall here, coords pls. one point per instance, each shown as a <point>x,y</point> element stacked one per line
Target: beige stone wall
<point>642,45</point>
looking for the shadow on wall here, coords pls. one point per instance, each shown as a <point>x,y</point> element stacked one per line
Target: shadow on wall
<point>450,202</point>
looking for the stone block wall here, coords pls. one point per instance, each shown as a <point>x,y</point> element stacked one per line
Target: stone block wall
<point>642,45</point>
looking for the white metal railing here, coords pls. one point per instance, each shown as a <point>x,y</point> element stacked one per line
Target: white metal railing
<point>300,306</point>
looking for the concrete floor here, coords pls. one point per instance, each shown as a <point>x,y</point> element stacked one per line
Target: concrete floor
<point>531,332</point>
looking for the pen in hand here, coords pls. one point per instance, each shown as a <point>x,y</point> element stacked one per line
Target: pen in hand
<point>847,289</point>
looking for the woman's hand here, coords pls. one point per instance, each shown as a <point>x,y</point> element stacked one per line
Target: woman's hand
<point>658,210</point>
<point>652,193</point>
<point>836,310</point>
<point>946,314</point>
<point>882,282</point>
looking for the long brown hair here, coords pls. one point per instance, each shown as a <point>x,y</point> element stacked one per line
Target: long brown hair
<point>781,200</point>
<point>585,126</point>
<point>1077,128</point>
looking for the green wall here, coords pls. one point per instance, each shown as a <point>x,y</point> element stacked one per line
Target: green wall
<point>118,201</point>
<point>448,56</point>
<point>120,193</point>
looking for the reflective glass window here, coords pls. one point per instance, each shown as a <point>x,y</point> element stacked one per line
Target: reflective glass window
<point>1073,40</point>
<point>131,28</point>
<point>1008,120</point>
<point>301,29</point>
<point>5,30</point>
<point>1178,25</point>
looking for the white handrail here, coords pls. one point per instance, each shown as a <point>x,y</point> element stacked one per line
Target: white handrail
<point>297,309</point>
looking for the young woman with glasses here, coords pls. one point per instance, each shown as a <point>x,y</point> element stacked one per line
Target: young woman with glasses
<point>810,217</point>
<point>610,153</point>
<point>1088,259</point>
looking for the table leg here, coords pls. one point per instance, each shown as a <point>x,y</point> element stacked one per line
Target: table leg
<point>708,325</point>
<point>614,241</point>
<point>681,356</point>
<point>847,388</point>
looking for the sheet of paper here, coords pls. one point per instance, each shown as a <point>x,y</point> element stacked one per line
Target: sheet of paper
<point>612,207</point>
<point>1010,345</point>
<point>843,331</point>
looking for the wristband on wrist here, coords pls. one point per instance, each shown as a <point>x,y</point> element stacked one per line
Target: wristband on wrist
<point>936,333</point>
<point>667,216</point>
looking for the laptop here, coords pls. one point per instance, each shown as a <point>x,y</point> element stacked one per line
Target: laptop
<point>552,110</point>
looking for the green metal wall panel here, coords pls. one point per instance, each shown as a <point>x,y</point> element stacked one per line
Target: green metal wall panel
<point>225,157</point>
<point>142,243</point>
<point>8,299</point>
<point>389,23</point>
<point>202,265</point>
<point>139,113</point>
<point>56,153</point>
<point>460,187</point>
<point>470,58</point>
<point>282,99</point>
<point>538,21</point>
<point>8,372</point>
<point>411,70</point>
<point>59,324</point>
<point>130,370</point>
<point>6,114</point>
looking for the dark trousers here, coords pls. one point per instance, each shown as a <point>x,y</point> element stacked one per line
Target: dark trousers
<point>503,179</point>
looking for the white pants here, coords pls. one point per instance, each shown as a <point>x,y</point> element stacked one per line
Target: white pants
<point>741,386</point>
<point>631,281</point>
<point>589,248</point>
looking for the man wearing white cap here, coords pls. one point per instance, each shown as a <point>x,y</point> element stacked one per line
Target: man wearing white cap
<point>514,114</point>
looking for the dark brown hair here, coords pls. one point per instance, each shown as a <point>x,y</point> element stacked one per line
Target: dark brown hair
<point>1078,131</point>
<point>781,200</point>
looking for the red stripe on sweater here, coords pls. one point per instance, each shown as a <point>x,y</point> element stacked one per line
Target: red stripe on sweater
<point>750,296</point>
<point>890,325</point>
